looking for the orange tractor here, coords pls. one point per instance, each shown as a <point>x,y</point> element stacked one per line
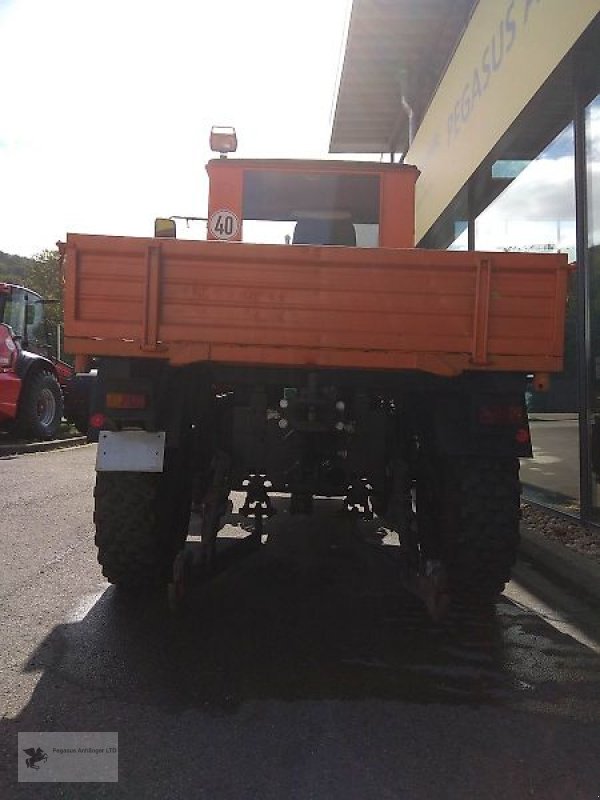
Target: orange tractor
<point>388,376</point>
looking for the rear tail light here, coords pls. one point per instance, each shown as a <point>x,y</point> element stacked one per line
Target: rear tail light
<point>126,401</point>
<point>8,348</point>
<point>501,414</point>
<point>97,421</point>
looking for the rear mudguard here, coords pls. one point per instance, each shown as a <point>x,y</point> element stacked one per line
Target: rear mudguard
<point>459,431</point>
<point>28,361</point>
<point>78,392</point>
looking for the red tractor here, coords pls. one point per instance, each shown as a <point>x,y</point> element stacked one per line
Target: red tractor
<point>36,388</point>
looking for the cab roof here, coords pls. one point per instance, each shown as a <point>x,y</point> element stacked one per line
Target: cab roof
<point>287,189</point>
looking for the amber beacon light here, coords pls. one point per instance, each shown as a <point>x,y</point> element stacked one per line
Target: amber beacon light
<point>223,140</point>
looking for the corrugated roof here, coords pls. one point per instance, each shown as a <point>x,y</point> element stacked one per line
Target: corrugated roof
<point>392,44</point>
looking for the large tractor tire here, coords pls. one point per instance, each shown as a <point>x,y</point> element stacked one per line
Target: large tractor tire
<point>41,407</point>
<point>141,522</point>
<point>130,546</point>
<point>481,513</point>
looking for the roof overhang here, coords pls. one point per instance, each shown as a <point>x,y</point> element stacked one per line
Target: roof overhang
<point>393,48</point>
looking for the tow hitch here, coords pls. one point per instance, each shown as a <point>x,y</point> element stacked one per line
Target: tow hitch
<point>188,570</point>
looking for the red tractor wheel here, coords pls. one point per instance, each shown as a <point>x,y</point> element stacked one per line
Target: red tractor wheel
<point>41,407</point>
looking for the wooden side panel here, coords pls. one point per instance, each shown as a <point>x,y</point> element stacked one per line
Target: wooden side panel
<point>330,306</point>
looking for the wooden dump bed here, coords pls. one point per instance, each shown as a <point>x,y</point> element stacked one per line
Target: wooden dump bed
<point>439,311</point>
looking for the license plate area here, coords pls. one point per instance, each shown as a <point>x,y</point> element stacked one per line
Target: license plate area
<point>130,451</point>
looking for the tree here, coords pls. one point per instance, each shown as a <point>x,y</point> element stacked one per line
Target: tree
<point>44,276</point>
<point>13,268</point>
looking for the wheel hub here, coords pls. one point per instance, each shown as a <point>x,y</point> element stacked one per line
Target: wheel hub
<point>46,407</point>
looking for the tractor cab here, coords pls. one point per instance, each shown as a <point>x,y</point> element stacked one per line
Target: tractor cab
<point>343,203</point>
<point>23,310</point>
<point>324,203</point>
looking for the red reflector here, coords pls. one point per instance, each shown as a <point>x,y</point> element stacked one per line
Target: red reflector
<point>522,436</point>
<point>126,401</point>
<point>97,420</point>
<point>8,348</point>
<point>501,415</point>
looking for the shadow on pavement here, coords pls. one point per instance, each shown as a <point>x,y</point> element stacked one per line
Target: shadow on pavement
<point>318,614</point>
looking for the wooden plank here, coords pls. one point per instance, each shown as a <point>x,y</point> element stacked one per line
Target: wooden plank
<point>151,299</point>
<point>481,311</point>
<point>363,307</point>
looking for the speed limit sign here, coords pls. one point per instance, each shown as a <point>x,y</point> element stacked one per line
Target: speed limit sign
<point>223,224</point>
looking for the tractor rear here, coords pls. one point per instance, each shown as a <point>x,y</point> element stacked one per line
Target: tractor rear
<point>388,377</point>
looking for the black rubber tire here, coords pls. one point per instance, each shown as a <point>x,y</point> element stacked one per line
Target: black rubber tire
<point>141,522</point>
<point>131,549</point>
<point>31,423</point>
<point>481,517</point>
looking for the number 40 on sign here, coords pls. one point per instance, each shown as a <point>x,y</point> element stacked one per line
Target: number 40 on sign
<point>223,224</point>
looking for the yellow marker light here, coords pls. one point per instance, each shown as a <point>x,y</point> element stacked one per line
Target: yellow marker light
<point>125,401</point>
<point>165,228</point>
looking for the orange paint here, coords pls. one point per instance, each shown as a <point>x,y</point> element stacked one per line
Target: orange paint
<point>387,308</point>
<point>324,306</point>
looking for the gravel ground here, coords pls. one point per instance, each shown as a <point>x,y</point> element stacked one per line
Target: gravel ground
<point>583,539</point>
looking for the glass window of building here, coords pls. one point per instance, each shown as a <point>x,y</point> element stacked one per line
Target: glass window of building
<point>451,231</point>
<point>531,207</point>
<point>592,127</point>
<point>535,209</point>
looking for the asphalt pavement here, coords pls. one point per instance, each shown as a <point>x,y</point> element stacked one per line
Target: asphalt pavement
<point>554,469</point>
<point>304,672</point>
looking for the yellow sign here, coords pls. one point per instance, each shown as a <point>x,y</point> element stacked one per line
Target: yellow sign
<point>507,52</point>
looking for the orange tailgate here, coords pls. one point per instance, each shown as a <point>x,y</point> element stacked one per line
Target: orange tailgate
<point>439,311</point>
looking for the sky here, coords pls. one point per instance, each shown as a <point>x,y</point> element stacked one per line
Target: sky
<point>106,105</point>
<point>536,212</point>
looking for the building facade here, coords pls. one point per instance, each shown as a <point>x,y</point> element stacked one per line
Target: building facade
<point>497,102</point>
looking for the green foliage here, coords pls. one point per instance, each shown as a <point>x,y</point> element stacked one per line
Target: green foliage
<point>13,269</point>
<point>42,274</point>
<point>44,277</point>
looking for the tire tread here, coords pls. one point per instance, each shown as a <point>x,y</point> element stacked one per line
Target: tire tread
<point>131,551</point>
<point>485,540</point>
